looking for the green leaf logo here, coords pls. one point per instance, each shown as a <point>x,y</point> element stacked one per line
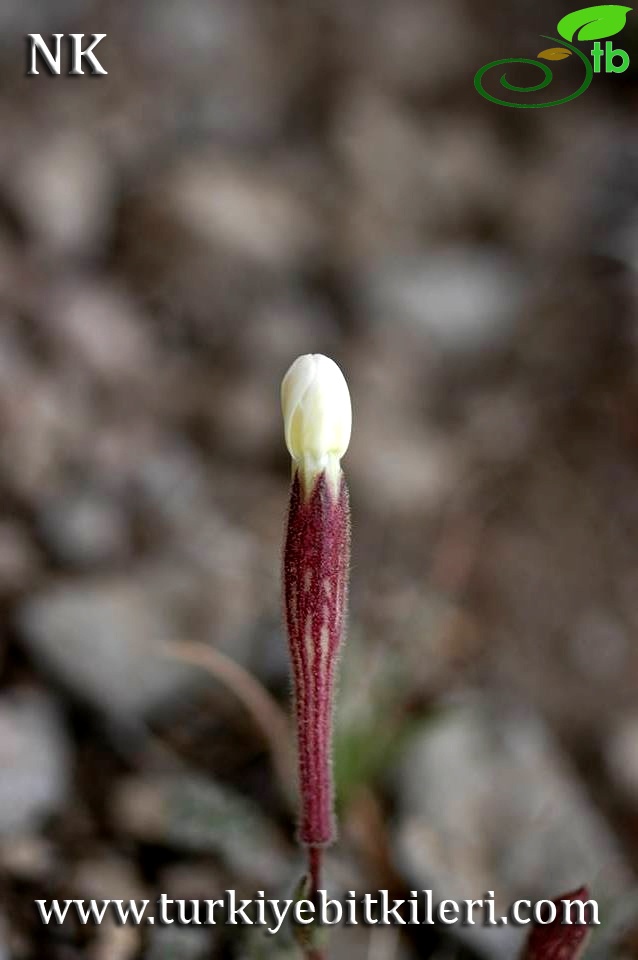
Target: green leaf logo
<point>593,23</point>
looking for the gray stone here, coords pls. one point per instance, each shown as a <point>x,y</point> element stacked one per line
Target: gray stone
<point>622,755</point>
<point>487,802</point>
<point>231,54</point>
<point>462,299</point>
<point>62,188</point>
<point>34,758</point>
<point>84,528</point>
<point>104,639</point>
<point>98,327</point>
<point>411,45</point>
<point>253,212</point>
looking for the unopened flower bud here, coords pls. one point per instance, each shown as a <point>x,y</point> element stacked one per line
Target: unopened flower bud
<point>315,403</point>
<point>317,418</point>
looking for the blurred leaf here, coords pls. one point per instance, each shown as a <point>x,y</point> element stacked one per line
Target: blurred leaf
<point>311,938</point>
<point>258,944</point>
<point>362,753</point>
<point>554,53</point>
<point>594,23</point>
<point>195,813</point>
<point>205,815</point>
<point>372,725</point>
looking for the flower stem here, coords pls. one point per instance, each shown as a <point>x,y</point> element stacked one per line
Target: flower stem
<point>314,874</point>
<point>314,869</point>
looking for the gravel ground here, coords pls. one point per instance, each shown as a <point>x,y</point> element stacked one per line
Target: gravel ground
<point>251,181</point>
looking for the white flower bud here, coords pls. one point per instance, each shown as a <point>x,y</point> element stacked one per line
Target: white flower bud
<point>315,403</point>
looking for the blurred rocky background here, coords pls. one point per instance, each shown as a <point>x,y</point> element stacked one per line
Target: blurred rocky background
<point>255,179</point>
